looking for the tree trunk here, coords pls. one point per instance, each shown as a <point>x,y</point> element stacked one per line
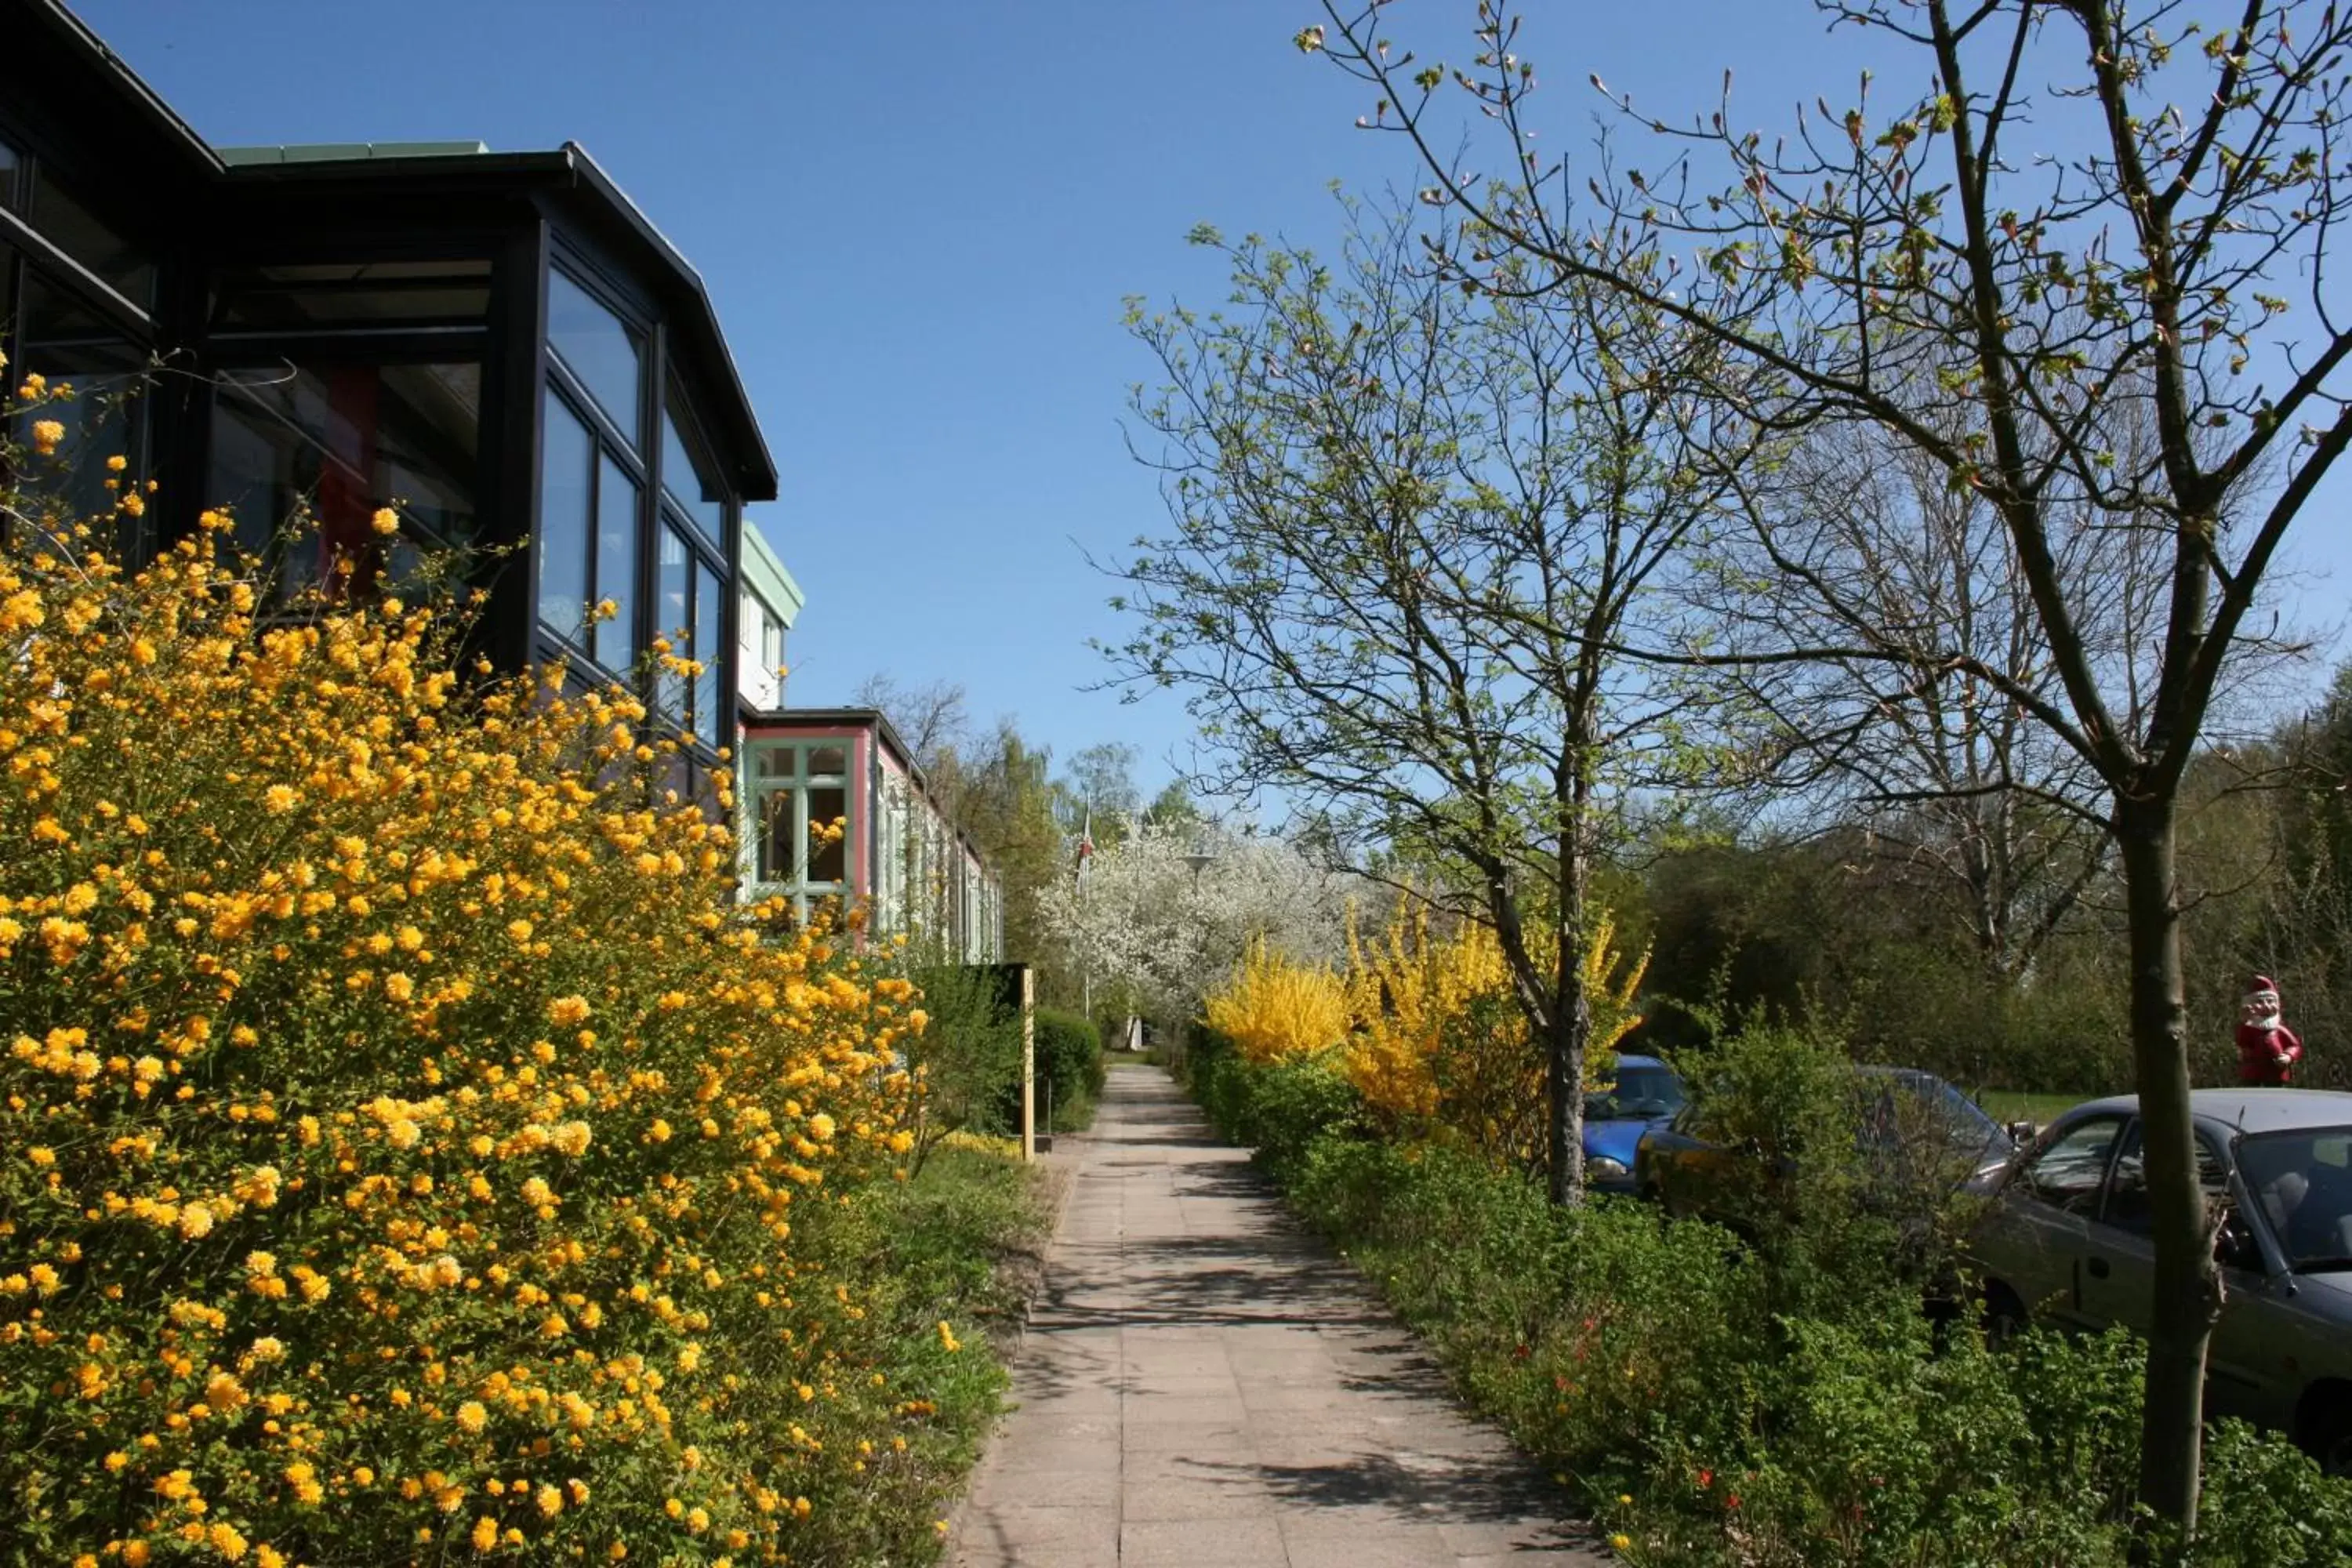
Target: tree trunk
<point>1570,1028</point>
<point>2187,1287</point>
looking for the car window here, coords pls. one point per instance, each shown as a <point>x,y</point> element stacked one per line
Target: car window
<point>1967,1116</point>
<point>2068,1172</point>
<point>2127,1191</point>
<point>1638,1091</point>
<point>2302,1180</point>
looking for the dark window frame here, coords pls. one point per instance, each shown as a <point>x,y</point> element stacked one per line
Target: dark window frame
<point>45,153</point>
<point>607,440</point>
<point>602,449</point>
<point>480,250</point>
<point>25,257</point>
<point>35,252</point>
<point>711,567</point>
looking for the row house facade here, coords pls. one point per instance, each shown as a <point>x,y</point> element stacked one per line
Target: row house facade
<point>498,347</point>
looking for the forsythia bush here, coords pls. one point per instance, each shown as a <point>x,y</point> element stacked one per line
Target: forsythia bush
<point>1440,1039</point>
<point>1276,1007</point>
<point>1426,1030</point>
<point>1410,996</point>
<point>409,1152</point>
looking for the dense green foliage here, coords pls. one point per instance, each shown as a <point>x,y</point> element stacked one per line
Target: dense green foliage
<point>1851,926</point>
<point>1780,1399</point>
<point>1069,1065</point>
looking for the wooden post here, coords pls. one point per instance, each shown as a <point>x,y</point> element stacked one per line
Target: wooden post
<point>1028,1063</point>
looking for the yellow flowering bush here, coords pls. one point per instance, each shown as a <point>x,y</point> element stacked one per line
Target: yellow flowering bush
<point>1440,1043</point>
<point>1274,1006</point>
<point>408,1150</point>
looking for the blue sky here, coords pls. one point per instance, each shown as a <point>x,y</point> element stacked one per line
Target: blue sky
<point>919,220</point>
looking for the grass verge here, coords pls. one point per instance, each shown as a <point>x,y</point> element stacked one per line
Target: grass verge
<point>2007,1105</point>
<point>958,1246</point>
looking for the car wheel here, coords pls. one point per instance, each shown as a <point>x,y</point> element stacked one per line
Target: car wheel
<point>2325,1428</point>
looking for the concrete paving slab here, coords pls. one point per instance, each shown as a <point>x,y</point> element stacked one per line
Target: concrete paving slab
<point>1203,1384</point>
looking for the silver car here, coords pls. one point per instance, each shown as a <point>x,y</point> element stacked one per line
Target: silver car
<point>2066,1239</point>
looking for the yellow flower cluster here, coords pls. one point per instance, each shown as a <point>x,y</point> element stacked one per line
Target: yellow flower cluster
<point>1427,1028</point>
<point>408,1148</point>
<point>1273,1007</point>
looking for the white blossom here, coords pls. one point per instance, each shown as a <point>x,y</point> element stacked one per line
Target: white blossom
<point>1142,915</point>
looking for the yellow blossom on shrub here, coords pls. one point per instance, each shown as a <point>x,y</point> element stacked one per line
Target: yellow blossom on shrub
<point>1440,1043</point>
<point>345,1043</point>
<point>1273,1007</point>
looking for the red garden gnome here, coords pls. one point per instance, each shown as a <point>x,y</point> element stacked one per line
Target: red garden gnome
<point>2267,1048</point>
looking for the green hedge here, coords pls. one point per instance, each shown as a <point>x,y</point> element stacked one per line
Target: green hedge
<point>1070,1059</point>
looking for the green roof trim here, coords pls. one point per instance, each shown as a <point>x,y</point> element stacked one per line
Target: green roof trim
<point>345,152</point>
<point>764,575</point>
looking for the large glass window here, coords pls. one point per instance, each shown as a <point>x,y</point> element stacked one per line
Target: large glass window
<point>712,703</point>
<point>616,564</point>
<point>599,348</point>
<point>601,362</point>
<point>75,349</point>
<point>674,620</point>
<point>689,600</point>
<point>307,456</point>
<point>685,480</point>
<point>72,227</point>
<point>588,541</point>
<point>12,165</point>
<point>566,476</point>
<point>312,296</point>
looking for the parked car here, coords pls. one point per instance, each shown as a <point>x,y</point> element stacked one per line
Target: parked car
<point>2067,1239</point>
<point>1646,1093</point>
<point>1914,1128</point>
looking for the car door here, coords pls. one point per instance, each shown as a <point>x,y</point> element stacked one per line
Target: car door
<point>2119,1274</point>
<point>2035,1239</point>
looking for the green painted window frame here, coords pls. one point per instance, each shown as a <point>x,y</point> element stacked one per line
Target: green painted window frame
<point>756,789</point>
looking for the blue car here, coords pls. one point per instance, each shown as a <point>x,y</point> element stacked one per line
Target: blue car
<point>1645,1094</point>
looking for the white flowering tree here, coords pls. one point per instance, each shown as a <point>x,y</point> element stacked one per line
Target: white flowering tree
<point>1170,908</point>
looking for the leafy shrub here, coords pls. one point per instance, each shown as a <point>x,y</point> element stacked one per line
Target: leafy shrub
<point>968,1059</point>
<point>1289,1104</point>
<point>410,1144</point>
<point>1069,1060</point>
<point>2266,1505</point>
<point>1846,1221</point>
<point>1715,1410</point>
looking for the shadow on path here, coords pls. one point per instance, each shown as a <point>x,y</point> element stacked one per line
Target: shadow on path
<point>1204,1382</point>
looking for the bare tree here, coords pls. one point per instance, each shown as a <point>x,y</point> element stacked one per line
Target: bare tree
<point>1410,526</point>
<point>932,718</point>
<point>1855,539</point>
<point>2166,248</point>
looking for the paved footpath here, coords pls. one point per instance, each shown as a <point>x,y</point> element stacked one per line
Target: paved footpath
<point>1204,1384</point>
